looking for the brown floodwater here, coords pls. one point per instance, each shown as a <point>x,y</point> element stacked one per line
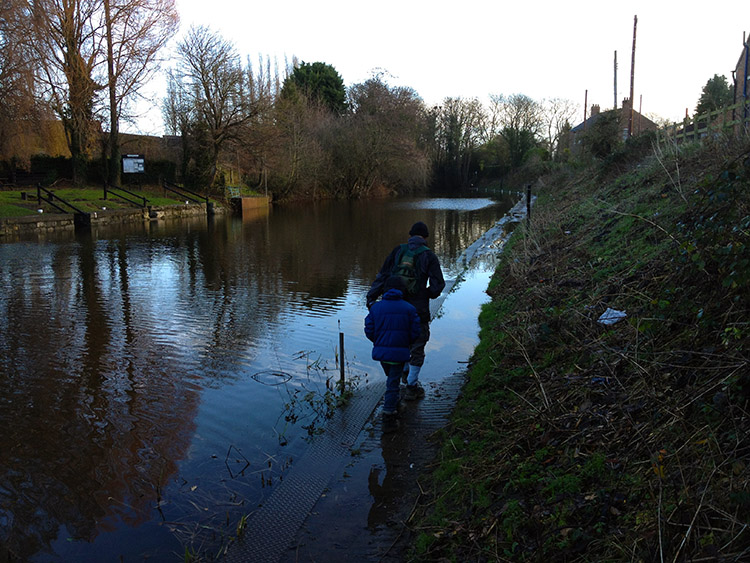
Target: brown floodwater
<point>158,381</point>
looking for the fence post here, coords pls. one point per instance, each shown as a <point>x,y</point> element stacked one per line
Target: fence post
<point>528,204</point>
<point>342,380</point>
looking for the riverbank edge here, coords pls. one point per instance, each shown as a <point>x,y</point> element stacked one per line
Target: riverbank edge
<point>12,228</point>
<point>581,440</point>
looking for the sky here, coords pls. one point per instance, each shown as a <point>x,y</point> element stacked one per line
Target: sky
<point>473,49</point>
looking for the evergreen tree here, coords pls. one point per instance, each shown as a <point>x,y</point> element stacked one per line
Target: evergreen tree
<point>318,82</point>
<point>717,93</point>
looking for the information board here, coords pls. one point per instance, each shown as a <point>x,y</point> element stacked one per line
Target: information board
<point>133,164</point>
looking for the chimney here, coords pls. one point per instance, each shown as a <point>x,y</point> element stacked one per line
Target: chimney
<point>594,110</point>
<point>625,105</point>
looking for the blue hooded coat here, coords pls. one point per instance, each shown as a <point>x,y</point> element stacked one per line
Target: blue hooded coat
<point>392,325</point>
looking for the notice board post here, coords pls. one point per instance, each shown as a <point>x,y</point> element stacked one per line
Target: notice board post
<point>135,166</point>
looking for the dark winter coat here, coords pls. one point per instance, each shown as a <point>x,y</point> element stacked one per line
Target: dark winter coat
<point>428,270</point>
<point>392,325</point>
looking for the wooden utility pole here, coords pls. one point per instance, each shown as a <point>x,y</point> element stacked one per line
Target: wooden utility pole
<point>585,107</point>
<point>632,80</point>
<point>615,106</point>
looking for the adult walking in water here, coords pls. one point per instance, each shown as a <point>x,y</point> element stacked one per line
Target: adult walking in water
<point>420,270</point>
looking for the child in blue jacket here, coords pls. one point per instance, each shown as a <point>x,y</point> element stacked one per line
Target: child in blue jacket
<point>392,325</point>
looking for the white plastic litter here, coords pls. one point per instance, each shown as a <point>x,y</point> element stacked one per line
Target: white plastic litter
<point>612,316</point>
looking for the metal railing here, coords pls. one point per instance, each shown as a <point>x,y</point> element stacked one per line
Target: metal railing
<point>185,193</point>
<point>44,195</point>
<point>126,195</point>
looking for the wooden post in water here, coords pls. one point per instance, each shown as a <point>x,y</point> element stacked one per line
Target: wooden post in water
<point>528,204</point>
<point>342,378</point>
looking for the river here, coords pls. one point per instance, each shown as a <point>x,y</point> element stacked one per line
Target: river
<point>158,381</point>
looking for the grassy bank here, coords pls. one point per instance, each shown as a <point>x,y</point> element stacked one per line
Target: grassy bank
<point>87,199</point>
<point>580,441</point>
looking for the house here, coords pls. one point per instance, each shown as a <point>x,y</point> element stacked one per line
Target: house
<point>641,123</point>
<point>731,119</point>
<point>742,83</point>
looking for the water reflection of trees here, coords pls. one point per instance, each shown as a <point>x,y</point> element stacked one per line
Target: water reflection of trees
<point>95,422</point>
<point>102,341</point>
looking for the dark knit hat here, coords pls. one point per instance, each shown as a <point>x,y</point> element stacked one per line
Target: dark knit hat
<point>394,282</point>
<point>419,229</point>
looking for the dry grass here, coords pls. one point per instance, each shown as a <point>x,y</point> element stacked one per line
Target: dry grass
<point>583,442</point>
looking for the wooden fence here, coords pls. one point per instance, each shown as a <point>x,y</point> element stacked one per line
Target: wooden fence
<point>729,121</point>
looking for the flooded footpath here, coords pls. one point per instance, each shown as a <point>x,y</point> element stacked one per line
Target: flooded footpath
<point>164,383</point>
<point>352,496</point>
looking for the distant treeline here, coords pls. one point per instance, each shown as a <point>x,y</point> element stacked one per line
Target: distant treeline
<point>70,72</point>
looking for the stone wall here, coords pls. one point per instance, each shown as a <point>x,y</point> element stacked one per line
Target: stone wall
<point>14,227</point>
<point>10,227</point>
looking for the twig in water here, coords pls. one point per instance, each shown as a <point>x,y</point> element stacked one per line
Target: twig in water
<point>226,461</point>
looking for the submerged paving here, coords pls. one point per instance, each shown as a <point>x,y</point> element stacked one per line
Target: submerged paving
<point>272,527</point>
<point>271,530</point>
<point>318,511</point>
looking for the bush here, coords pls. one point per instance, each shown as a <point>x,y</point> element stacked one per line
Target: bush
<point>604,135</point>
<point>51,167</point>
<point>160,170</point>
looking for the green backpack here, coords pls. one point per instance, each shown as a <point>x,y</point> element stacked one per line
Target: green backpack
<point>406,267</point>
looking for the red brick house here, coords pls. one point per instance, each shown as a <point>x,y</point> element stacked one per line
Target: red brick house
<point>641,124</point>
<point>742,83</point>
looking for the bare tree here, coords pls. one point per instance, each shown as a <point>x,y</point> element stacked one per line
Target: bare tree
<point>81,47</point>
<point>136,31</point>
<point>519,111</point>
<point>65,37</point>
<point>261,140</point>
<point>213,83</point>
<point>556,116</point>
<point>177,113</point>
<point>17,105</point>
<point>459,128</point>
<point>520,123</point>
<point>382,141</point>
<point>299,123</point>
<point>489,126</point>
